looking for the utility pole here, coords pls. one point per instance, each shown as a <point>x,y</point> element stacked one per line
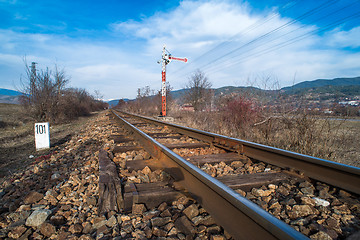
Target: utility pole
<point>33,78</point>
<point>165,60</point>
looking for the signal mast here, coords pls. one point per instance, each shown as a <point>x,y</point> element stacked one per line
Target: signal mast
<point>165,60</point>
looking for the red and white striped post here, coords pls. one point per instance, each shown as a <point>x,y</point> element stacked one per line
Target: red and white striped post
<point>165,60</point>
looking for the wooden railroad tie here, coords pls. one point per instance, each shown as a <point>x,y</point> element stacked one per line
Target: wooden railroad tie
<point>165,137</point>
<point>121,138</point>
<point>246,182</point>
<point>196,160</point>
<point>149,194</point>
<point>216,158</point>
<point>186,145</point>
<point>121,149</point>
<point>110,194</point>
<point>112,198</point>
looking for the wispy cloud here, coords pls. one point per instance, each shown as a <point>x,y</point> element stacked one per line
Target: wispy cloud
<point>118,66</point>
<point>341,38</point>
<point>195,27</point>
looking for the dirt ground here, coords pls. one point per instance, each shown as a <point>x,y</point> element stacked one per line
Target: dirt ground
<point>17,143</point>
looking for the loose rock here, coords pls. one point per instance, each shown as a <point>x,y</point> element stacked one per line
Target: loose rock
<point>37,217</point>
<point>47,229</point>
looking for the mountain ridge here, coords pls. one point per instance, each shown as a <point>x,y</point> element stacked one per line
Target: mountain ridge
<point>9,92</point>
<point>11,96</point>
<point>325,82</point>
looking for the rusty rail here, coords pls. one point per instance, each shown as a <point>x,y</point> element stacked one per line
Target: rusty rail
<point>340,175</point>
<point>239,216</point>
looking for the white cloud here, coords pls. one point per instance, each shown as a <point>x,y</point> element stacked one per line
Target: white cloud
<point>117,68</point>
<point>115,80</point>
<point>339,38</point>
<point>195,27</point>
<point>192,26</point>
<point>90,65</point>
<point>191,20</point>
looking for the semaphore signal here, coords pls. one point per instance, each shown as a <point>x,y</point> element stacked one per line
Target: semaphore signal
<point>165,60</point>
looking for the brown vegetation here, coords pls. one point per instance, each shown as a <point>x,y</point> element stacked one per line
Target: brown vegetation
<point>46,98</point>
<point>288,124</point>
<point>300,132</point>
<point>199,94</point>
<point>147,102</point>
<point>17,145</point>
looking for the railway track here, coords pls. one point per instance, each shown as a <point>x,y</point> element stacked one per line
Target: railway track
<point>252,191</point>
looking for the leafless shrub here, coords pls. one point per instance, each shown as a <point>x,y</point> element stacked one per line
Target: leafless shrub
<point>199,93</point>
<point>47,99</point>
<point>43,91</point>
<point>147,102</point>
<point>240,113</point>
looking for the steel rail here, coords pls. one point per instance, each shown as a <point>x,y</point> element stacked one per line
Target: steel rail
<point>340,175</point>
<point>236,214</point>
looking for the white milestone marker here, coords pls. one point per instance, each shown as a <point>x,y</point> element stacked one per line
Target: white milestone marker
<point>42,136</point>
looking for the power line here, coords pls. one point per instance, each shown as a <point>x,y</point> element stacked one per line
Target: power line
<point>270,33</point>
<point>288,42</point>
<point>257,24</point>
<point>309,13</point>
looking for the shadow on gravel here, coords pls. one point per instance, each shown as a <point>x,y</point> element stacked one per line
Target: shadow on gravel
<point>14,157</point>
<point>62,140</point>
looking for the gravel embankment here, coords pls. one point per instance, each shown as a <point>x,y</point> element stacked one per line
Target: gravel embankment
<point>56,198</point>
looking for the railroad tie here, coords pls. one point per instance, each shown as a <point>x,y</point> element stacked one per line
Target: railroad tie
<point>121,139</point>
<point>186,145</point>
<point>110,193</point>
<point>149,194</point>
<point>121,149</point>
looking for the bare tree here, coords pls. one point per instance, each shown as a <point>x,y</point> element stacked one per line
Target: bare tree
<point>148,101</point>
<point>43,89</point>
<point>121,104</point>
<point>46,98</point>
<point>98,95</point>
<point>199,92</point>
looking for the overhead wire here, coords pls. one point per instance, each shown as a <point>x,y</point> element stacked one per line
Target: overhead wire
<point>284,44</point>
<point>288,42</point>
<point>289,23</point>
<point>270,33</point>
<point>257,24</point>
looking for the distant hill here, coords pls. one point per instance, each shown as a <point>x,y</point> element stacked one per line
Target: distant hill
<point>327,88</point>
<point>330,91</point>
<point>325,82</point>
<point>9,92</point>
<point>114,102</point>
<point>177,94</point>
<point>9,96</point>
<point>231,89</point>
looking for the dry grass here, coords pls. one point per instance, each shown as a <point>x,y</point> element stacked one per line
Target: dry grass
<point>346,147</point>
<point>335,140</point>
<point>17,138</point>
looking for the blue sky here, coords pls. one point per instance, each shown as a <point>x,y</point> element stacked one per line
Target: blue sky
<point>113,46</point>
